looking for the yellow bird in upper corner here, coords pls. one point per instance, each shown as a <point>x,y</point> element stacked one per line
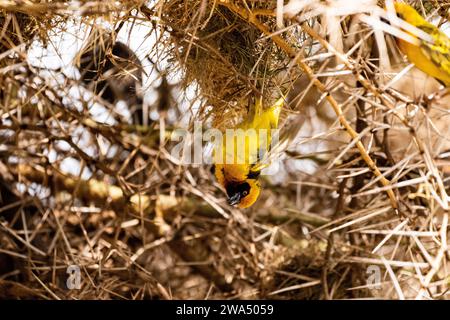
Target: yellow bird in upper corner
<point>432,57</point>
<point>239,169</point>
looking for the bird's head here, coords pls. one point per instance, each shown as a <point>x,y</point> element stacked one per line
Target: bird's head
<point>243,194</point>
<point>406,12</point>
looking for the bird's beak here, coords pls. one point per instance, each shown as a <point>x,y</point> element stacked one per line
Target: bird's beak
<point>234,199</point>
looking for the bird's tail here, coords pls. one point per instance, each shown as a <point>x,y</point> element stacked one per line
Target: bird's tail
<point>275,110</point>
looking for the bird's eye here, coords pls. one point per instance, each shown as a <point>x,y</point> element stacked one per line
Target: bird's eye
<point>244,193</point>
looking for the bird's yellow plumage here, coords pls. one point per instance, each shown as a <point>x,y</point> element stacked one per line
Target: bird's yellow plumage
<point>243,152</point>
<point>433,57</point>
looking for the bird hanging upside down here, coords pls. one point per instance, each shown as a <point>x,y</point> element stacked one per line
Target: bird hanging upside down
<point>243,154</point>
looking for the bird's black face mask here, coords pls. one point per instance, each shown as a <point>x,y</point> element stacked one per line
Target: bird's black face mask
<point>236,192</point>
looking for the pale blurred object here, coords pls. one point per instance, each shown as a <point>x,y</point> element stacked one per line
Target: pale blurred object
<point>428,113</point>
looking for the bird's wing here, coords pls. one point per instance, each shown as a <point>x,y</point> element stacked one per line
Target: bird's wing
<point>439,51</point>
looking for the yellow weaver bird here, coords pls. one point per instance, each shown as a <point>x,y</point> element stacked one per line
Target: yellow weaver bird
<point>432,57</point>
<point>239,169</point>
